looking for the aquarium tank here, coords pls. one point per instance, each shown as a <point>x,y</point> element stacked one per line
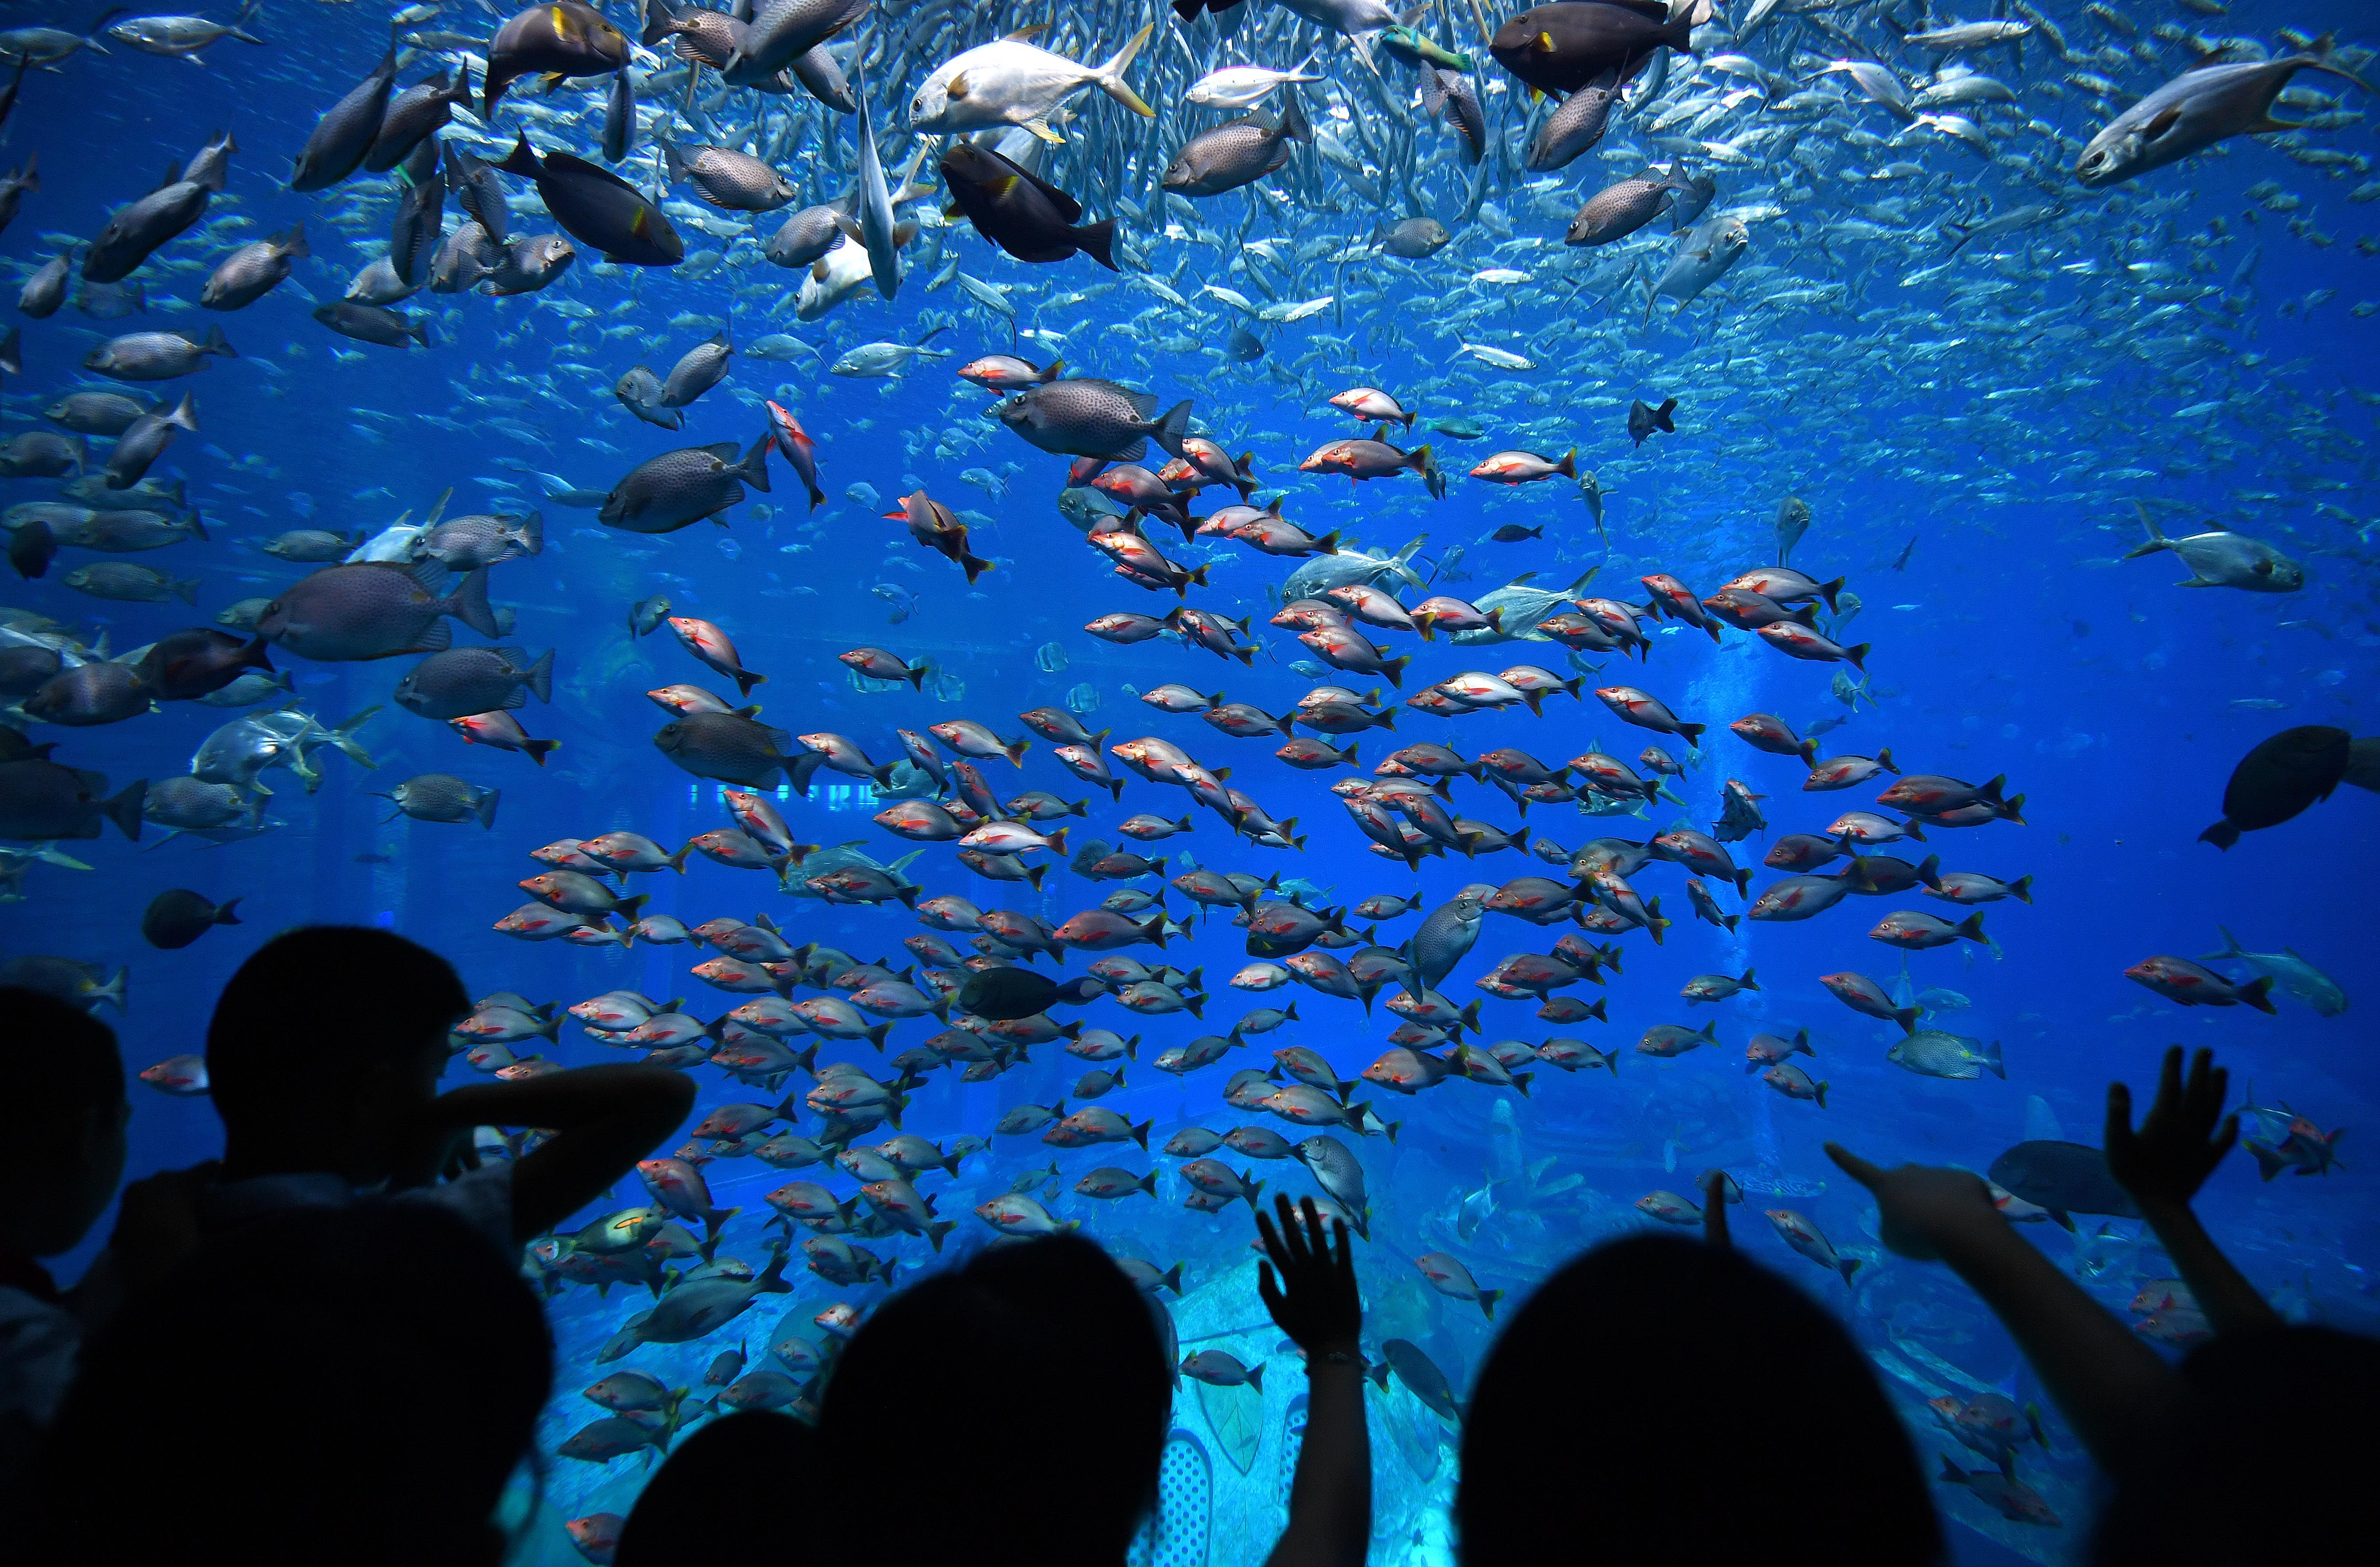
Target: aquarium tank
<point>1563,601</point>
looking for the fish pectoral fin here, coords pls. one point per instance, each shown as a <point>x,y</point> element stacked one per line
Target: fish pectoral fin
<point>2164,121</point>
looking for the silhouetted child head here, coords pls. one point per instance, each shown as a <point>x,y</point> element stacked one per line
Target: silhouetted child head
<point>325,1046</point>
<point>1030,1385</point>
<point>352,1385</point>
<point>677,1516</point>
<point>62,1115</point>
<point>1662,1401</point>
<point>2267,1460</point>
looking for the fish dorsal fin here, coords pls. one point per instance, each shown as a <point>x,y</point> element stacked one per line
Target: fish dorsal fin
<point>1517,581</point>
<point>1026,34</point>
<point>437,511</point>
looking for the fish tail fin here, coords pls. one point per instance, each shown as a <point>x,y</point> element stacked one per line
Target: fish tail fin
<point>2257,993</point>
<point>2322,61</point>
<point>1170,429</point>
<point>1293,123</point>
<point>2157,539</point>
<point>469,604</point>
<point>1096,240</point>
<point>485,809</point>
<point>344,737</point>
<point>124,808</point>
<point>1109,76</point>
<point>754,468</point>
<point>520,160</point>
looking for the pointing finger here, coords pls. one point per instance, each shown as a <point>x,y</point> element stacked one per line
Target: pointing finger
<point>1852,1165</point>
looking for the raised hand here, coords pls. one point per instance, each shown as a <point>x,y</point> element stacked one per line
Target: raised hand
<point>2182,1139</point>
<point>1923,1208</point>
<point>1313,1301</point>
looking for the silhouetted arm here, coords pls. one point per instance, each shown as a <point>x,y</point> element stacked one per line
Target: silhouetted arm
<point>603,1120</point>
<point>1714,1190</point>
<point>1317,1305</point>
<point>2110,1386</point>
<point>2182,1139</point>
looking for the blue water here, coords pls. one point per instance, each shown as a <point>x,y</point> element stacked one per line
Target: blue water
<point>2010,644</point>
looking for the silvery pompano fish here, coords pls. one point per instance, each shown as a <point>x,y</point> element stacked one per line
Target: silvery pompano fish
<point>1244,87</point>
<point>1702,257</point>
<point>1013,82</point>
<point>2196,110</point>
<point>2219,558</point>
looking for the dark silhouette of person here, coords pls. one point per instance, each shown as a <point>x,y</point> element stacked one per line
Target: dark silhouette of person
<point>677,1512</point>
<point>2266,1459</point>
<point>1614,1414</point>
<point>1011,1410</point>
<point>62,1117</point>
<point>324,1052</point>
<point>352,1384</point>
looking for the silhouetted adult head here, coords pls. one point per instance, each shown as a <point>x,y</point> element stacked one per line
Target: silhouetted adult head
<point>2266,1461</point>
<point>677,1512</point>
<point>1032,1387</point>
<point>351,1385</point>
<point>323,1048</point>
<point>62,1114</point>
<point>1662,1401</point>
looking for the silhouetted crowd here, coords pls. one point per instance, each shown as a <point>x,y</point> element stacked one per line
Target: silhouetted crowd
<point>321,1348</point>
